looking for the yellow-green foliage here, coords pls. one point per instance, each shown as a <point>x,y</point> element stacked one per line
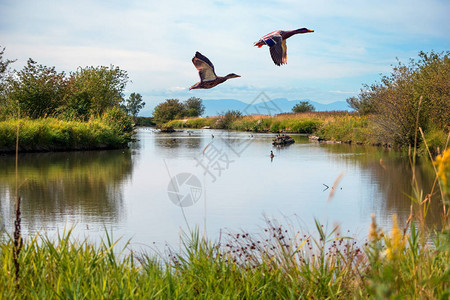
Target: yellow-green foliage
<point>414,93</point>
<point>191,123</point>
<point>296,123</point>
<point>199,122</point>
<point>49,134</point>
<point>176,124</point>
<point>436,140</point>
<point>405,266</point>
<point>346,128</point>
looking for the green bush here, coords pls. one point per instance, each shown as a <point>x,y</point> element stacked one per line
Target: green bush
<point>347,128</point>
<point>436,140</point>
<point>413,95</point>
<point>305,126</point>
<point>275,126</point>
<point>121,124</point>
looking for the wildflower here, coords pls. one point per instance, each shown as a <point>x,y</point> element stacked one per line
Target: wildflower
<point>395,243</point>
<point>375,233</point>
<point>443,164</point>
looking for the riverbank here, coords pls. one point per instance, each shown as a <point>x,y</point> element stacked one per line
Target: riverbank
<point>340,126</point>
<point>288,123</point>
<point>51,134</point>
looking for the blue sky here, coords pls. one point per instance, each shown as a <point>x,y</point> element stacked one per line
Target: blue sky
<point>154,41</point>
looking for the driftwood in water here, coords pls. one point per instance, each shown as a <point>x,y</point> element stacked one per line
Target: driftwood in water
<point>167,129</point>
<point>282,140</point>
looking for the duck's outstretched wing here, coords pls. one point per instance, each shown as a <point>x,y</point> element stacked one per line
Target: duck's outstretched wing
<point>204,66</point>
<point>277,49</point>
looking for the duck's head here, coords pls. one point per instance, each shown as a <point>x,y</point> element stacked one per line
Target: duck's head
<point>304,30</point>
<point>232,75</point>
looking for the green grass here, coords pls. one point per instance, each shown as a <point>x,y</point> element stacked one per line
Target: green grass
<point>275,264</point>
<point>50,134</point>
<point>347,128</point>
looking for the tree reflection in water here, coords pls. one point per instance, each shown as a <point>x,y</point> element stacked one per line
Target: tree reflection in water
<point>53,186</point>
<point>393,179</point>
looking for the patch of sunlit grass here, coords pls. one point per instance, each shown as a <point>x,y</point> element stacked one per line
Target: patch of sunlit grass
<point>50,134</point>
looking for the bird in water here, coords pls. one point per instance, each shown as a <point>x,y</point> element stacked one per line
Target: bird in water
<point>277,43</point>
<point>271,155</point>
<point>208,78</point>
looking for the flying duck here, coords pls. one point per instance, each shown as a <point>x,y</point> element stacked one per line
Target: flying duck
<point>208,78</point>
<point>277,43</point>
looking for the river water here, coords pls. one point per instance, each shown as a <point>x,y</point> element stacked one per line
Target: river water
<point>216,181</point>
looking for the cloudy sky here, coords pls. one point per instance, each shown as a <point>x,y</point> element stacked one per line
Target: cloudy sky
<point>154,41</point>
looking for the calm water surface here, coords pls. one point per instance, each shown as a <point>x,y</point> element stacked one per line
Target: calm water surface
<point>238,185</point>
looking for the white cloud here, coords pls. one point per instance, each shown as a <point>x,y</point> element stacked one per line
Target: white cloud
<point>177,89</point>
<point>342,92</point>
<point>155,41</point>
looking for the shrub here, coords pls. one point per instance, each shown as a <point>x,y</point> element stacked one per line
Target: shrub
<point>225,121</point>
<point>303,106</point>
<point>413,95</point>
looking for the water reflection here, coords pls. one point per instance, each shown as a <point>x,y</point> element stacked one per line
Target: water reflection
<point>127,189</point>
<point>391,174</point>
<point>179,140</point>
<point>66,186</point>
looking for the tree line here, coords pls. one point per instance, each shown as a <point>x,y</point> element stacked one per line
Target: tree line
<point>40,91</point>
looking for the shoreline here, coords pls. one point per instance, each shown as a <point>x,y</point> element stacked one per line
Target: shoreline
<point>54,135</point>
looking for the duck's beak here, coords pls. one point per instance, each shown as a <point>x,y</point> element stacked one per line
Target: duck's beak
<point>310,30</point>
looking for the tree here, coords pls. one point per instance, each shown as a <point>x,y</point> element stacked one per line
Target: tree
<point>432,82</point>
<point>169,110</point>
<point>194,107</point>
<point>3,66</point>
<point>227,118</point>
<point>37,89</point>
<point>415,93</point>
<point>93,90</point>
<point>363,103</point>
<point>133,104</point>
<point>303,106</point>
